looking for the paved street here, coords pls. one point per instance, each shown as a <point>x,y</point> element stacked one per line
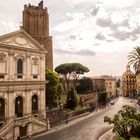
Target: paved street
<point>90,127</point>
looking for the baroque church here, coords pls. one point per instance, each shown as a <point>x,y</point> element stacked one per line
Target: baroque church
<point>129,83</point>
<point>24,56</point>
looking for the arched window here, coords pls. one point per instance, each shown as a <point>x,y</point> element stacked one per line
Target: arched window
<point>19,66</point>
<point>2,109</point>
<point>34,104</point>
<point>19,106</point>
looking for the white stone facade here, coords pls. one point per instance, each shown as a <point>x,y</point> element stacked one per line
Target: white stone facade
<point>22,85</point>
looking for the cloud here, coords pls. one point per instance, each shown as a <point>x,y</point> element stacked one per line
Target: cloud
<point>122,26</point>
<point>8,26</point>
<point>94,11</point>
<point>106,22</point>
<point>72,22</point>
<point>85,52</point>
<point>125,34</point>
<point>73,37</point>
<point>96,44</point>
<point>99,36</point>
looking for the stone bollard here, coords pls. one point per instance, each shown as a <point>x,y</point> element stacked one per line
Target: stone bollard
<point>48,124</point>
<point>67,118</point>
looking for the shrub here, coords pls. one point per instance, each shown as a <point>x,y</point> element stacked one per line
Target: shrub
<point>71,99</point>
<point>126,122</point>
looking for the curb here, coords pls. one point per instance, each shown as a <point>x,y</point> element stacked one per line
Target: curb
<point>109,135</point>
<point>81,115</point>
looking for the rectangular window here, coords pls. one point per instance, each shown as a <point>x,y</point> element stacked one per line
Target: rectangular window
<point>19,76</point>
<point>1,76</point>
<point>34,76</point>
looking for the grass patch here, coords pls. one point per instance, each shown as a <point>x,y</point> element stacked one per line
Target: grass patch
<point>63,101</point>
<point>135,139</point>
<point>121,138</point>
<point>67,111</point>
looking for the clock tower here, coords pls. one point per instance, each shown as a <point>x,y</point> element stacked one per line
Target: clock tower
<point>36,23</point>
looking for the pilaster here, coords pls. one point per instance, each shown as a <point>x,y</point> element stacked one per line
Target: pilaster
<point>42,101</point>
<point>11,67</point>
<point>28,67</point>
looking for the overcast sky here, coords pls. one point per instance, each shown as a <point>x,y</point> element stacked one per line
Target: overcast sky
<point>97,33</point>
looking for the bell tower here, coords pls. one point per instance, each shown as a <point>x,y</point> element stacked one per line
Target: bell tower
<point>36,23</point>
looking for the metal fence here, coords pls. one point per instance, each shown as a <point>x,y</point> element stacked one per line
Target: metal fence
<point>58,116</point>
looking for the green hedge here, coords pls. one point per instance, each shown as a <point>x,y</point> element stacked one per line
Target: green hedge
<point>120,138</point>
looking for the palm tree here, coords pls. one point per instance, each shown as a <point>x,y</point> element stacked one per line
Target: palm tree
<point>134,58</point>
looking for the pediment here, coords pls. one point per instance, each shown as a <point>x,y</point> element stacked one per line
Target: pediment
<point>22,39</point>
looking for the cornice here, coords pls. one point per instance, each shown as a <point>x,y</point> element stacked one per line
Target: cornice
<point>20,83</point>
<point>13,47</point>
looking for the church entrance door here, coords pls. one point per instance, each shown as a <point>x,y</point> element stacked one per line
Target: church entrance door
<point>2,111</point>
<point>23,131</point>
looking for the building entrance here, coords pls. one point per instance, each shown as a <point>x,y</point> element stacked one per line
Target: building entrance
<point>23,131</point>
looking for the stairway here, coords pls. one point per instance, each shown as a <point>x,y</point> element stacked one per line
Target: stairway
<point>8,128</point>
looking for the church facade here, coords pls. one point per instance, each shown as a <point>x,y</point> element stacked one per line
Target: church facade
<point>129,83</point>
<point>23,59</point>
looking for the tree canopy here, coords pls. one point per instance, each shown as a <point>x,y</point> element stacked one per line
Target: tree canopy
<point>71,70</point>
<point>71,99</point>
<point>134,58</point>
<point>54,88</point>
<point>102,98</point>
<point>86,85</point>
<point>126,122</point>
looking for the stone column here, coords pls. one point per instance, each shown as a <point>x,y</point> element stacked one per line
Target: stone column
<point>11,105</point>
<point>42,68</point>
<point>29,130</point>
<point>28,101</point>
<point>42,101</point>
<point>16,133</point>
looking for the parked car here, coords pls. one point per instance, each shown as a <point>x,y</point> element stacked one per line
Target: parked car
<point>112,102</point>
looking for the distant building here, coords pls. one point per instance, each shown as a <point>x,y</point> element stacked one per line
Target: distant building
<point>128,83</point>
<point>138,80</point>
<point>110,85</point>
<point>98,84</point>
